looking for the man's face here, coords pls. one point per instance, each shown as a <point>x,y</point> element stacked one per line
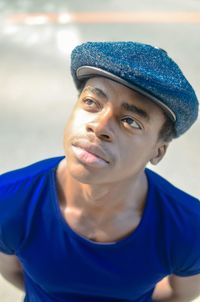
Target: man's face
<point>112,133</point>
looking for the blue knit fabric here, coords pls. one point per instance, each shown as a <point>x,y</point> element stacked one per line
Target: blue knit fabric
<point>147,67</point>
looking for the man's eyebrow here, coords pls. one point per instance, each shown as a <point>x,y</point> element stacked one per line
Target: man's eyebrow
<point>135,109</point>
<point>125,106</point>
<point>96,91</point>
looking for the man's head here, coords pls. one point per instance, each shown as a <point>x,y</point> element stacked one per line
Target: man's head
<point>143,68</point>
<point>133,100</point>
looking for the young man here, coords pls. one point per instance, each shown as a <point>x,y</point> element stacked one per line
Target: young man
<point>96,225</point>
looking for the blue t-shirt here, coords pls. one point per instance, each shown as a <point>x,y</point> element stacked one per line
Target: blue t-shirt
<point>60,265</point>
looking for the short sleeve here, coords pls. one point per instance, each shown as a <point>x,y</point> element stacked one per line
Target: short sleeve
<point>22,191</point>
<point>11,219</point>
<point>188,258</point>
<point>4,248</point>
<point>189,269</point>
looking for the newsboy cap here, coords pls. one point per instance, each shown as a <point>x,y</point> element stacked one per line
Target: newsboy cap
<point>144,68</point>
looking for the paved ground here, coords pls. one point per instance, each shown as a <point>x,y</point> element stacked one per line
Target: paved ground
<point>36,89</point>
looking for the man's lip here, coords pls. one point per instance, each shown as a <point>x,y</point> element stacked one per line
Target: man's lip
<point>91,148</point>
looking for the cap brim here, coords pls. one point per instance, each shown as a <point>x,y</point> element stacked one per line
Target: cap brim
<point>85,72</point>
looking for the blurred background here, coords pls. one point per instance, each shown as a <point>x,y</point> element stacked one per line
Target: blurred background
<point>36,89</point>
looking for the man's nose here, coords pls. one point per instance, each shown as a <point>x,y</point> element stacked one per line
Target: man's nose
<point>102,126</point>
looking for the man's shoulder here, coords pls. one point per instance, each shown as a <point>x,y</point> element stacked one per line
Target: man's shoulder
<point>21,191</point>
<point>166,187</point>
<point>173,196</point>
<point>28,173</point>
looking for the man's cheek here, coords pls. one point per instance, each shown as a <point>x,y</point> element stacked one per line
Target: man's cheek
<point>80,120</point>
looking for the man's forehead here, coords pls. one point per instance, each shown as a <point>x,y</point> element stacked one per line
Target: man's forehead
<point>102,86</point>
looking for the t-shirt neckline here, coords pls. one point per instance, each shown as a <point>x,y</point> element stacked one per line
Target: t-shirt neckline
<point>67,228</point>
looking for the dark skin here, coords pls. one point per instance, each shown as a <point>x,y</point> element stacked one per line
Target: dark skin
<point>104,200</point>
<point>105,203</point>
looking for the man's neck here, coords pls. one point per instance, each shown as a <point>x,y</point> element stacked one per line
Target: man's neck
<point>106,200</point>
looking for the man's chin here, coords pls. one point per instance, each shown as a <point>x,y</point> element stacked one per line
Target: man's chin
<point>85,174</point>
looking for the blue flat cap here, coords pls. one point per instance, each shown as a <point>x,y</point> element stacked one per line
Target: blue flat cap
<point>144,68</point>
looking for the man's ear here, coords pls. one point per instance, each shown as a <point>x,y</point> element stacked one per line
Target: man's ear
<point>159,153</point>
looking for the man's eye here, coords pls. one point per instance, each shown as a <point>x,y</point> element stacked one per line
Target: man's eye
<point>90,103</point>
<point>131,122</point>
